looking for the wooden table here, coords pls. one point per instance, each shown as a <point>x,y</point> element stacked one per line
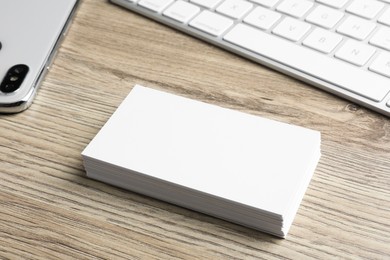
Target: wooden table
<point>50,210</point>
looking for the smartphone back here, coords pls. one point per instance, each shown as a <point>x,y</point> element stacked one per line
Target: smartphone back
<point>30,31</point>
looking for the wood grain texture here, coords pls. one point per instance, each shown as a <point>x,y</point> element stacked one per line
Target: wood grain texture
<point>50,210</point>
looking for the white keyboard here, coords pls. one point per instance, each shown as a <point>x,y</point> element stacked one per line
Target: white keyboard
<point>341,46</point>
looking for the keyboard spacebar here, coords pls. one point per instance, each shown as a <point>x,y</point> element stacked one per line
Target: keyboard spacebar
<point>331,70</point>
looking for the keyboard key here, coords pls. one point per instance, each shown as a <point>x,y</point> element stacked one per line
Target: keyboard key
<point>385,17</point>
<point>382,38</point>
<point>296,8</point>
<point>181,11</point>
<point>211,23</point>
<point>365,8</point>
<point>262,18</point>
<point>234,8</point>
<point>308,61</point>
<point>155,5</point>
<point>206,3</point>
<point>325,16</point>
<point>355,52</point>
<point>334,3</point>
<point>266,3</point>
<point>356,27</point>
<point>291,29</point>
<point>381,64</point>
<point>322,40</point>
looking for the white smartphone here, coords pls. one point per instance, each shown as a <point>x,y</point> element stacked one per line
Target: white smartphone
<point>30,33</point>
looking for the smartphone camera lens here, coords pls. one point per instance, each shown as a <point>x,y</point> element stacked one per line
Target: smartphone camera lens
<point>14,78</point>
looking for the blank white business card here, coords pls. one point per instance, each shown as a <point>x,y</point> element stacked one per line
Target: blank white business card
<point>170,147</point>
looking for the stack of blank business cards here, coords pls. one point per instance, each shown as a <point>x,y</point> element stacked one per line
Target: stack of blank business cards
<point>231,165</point>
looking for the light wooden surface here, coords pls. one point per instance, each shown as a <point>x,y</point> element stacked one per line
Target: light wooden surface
<point>50,210</point>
